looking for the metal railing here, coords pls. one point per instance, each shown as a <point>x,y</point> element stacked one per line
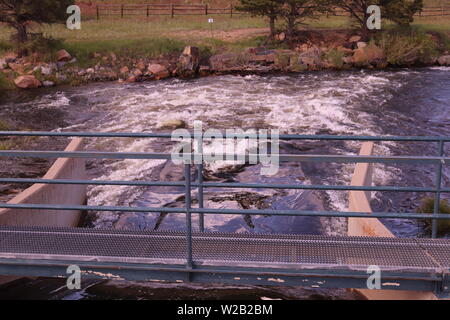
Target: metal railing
<point>439,161</point>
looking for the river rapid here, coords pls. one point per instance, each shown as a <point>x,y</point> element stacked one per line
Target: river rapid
<point>396,102</point>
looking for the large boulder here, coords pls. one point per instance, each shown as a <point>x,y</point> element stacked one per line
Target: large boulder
<point>27,82</point>
<point>444,60</point>
<point>63,56</point>
<point>371,55</point>
<point>261,55</point>
<point>172,124</point>
<point>188,63</point>
<point>159,71</point>
<point>224,62</point>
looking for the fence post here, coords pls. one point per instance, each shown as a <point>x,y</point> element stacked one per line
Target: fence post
<point>187,178</point>
<point>200,197</point>
<point>98,13</point>
<point>172,10</point>
<point>206,9</point>
<point>121,12</point>
<point>148,11</point>
<point>437,198</point>
<point>231,10</point>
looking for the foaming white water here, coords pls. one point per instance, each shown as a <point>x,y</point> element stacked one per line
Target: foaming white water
<point>303,104</point>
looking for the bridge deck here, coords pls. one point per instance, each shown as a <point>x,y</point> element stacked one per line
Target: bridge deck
<point>305,260</point>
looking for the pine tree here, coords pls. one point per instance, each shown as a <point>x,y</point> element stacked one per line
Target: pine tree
<point>263,8</point>
<point>19,13</point>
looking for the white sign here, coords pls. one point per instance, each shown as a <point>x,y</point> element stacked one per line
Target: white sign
<point>210,20</point>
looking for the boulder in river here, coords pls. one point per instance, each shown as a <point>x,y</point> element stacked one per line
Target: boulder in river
<point>444,60</point>
<point>159,71</point>
<point>172,124</point>
<point>224,62</point>
<point>27,82</point>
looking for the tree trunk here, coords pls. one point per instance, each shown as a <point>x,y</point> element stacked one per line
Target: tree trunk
<point>272,26</point>
<point>22,37</point>
<point>291,18</point>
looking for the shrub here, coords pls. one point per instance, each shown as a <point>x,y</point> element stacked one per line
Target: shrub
<point>406,47</point>
<point>335,57</point>
<point>427,206</point>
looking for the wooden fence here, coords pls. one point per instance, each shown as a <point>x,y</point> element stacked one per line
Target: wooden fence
<point>172,10</point>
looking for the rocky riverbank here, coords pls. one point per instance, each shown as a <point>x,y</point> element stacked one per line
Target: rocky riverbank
<point>342,54</point>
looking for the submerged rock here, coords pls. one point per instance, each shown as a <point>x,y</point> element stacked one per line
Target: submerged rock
<point>172,124</point>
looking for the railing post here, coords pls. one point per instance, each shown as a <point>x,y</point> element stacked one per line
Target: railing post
<point>200,197</point>
<point>437,198</point>
<point>187,178</point>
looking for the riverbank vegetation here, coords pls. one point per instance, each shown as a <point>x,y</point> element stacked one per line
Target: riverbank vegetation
<point>427,206</point>
<point>403,41</point>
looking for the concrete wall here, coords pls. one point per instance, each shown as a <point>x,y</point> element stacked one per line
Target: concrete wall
<point>359,201</point>
<point>51,194</point>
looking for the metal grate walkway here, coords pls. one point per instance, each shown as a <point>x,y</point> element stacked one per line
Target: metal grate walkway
<point>426,260</point>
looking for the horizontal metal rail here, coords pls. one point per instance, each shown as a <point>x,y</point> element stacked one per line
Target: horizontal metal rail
<point>190,269</point>
<point>224,185</point>
<point>249,136</point>
<point>230,211</point>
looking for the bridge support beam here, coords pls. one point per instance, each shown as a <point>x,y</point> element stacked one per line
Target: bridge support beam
<point>360,201</point>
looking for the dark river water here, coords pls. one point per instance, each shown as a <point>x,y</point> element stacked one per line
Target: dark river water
<point>400,102</point>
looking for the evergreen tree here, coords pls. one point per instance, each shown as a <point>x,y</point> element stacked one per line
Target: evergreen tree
<point>19,13</point>
<point>263,8</point>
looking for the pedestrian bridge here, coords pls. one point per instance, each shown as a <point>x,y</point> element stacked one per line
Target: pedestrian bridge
<point>419,264</point>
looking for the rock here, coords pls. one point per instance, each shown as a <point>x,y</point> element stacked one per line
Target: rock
<point>27,82</point>
<point>16,67</point>
<point>223,62</point>
<point>444,60</point>
<point>131,79</point>
<point>261,55</point>
<point>159,71</point>
<point>344,50</point>
<point>73,60</point>
<point>63,56</point>
<point>141,66</point>
<point>361,44</point>
<point>204,70</point>
<point>355,38</point>
<point>370,55</point>
<point>10,57</point>
<point>124,70</point>
<point>47,70</point>
<point>48,84</point>
<point>188,62</point>
<point>137,72</point>
<point>281,36</point>
<point>90,71</point>
<point>3,64</point>
<point>61,77</point>
<point>172,124</point>
<point>348,60</point>
<point>113,57</point>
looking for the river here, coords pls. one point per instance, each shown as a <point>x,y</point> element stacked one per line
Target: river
<point>396,102</point>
